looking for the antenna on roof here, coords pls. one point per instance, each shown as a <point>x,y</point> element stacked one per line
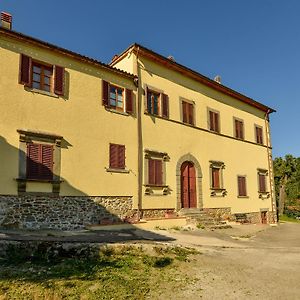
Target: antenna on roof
<point>217,79</point>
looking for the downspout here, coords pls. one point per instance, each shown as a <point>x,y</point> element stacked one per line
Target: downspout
<point>270,166</point>
<point>140,136</point>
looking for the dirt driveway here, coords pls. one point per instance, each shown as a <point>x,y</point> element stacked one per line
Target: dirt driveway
<point>244,262</point>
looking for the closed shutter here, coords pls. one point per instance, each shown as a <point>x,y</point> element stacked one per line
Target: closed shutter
<point>25,70</point>
<point>121,156</point>
<point>165,106</point>
<point>129,101</point>
<point>59,80</point>
<point>262,182</point>
<point>151,171</point>
<point>191,114</point>
<point>158,172</point>
<point>242,186</point>
<point>184,112</point>
<point>113,156</point>
<point>215,178</point>
<point>47,162</point>
<point>236,122</point>
<point>211,121</point>
<point>217,127</point>
<point>105,86</point>
<point>39,161</point>
<point>33,161</point>
<point>116,156</point>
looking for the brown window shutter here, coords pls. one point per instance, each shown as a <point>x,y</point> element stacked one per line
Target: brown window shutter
<point>121,156</point>
<point>165,106</point>
<point>184,112</point>
<point>146,102</point>
<point>217,127</point>
<point>59,80</point>
<point>236,126</point>
<point>158,172</point>
<point>25,70</point>
<point>241,130</point>
<point>262,183</point>
<point>46,166</point>
<point>211,121</point>
<point>151,171</point>
<point>129,101</point>
<point>216,178</point>
<point>105,86</point>
<point>191,113</point>
<point>33,161</point>
<point>113,156</point>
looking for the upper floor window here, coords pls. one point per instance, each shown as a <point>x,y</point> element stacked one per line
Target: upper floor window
<point>113,98</point>
<point>155,172</point>
<point>153,100</point>
<point>239,129</point>
<point>188,112</point>
<point>41,76</point>
<point>259,134</point>
<point>242,191</point>
<point>214,122</point>
<point>157,103</point>
<point>116,97</point>
<point>262,180</point>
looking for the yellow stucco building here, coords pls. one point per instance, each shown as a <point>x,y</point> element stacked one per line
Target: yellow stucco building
<point>82,142</point>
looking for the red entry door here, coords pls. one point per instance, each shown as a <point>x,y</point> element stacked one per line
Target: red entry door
<point>188,185</point>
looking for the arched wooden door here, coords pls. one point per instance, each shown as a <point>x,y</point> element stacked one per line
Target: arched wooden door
<point>188,185</point>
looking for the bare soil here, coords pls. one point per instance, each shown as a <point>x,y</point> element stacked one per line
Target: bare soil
<point>245,262</point>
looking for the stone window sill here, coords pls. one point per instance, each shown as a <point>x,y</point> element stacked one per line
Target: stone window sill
<point>243,197</point>
<point>37,91</point>
<point>156,185</point>
<point>111,170</point>
<point>218,192</point>
<point>117,111</point>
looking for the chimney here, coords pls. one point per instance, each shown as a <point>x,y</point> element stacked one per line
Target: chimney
<point>170,57</point>
<point>6,20</point>
<point>217,79</point>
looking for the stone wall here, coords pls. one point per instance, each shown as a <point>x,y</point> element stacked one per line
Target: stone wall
<point>65,213</point>
<point>219,214</point>
<point>158,213</point>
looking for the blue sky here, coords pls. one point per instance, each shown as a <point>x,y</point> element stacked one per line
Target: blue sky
<point>254,45</point>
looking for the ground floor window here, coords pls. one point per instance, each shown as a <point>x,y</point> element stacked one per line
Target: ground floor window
<point>242,191</point>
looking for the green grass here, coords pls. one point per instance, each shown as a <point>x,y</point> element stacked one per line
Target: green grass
<point>285,218</point>
<point>117,273</point>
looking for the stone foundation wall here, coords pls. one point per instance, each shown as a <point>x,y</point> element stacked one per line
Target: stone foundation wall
<point>219,214</point>
<point>65,213</point>
<point>158,213</point>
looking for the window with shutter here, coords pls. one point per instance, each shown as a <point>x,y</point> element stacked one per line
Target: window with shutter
<point>129,101</point>
<point>216,179</point>
<point>116,156</point>
<point>262,181</point>
<point>187,112</point>
<point>39,161</point>
<point>153,99</point>
<point>242,192</point>
<point>41,76</point>
<point>165,106</point>
<point>155,172</point>
<point>239,129</point>
<point>116,100</point>
<point>259,134</point>
<point>214,121</point>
